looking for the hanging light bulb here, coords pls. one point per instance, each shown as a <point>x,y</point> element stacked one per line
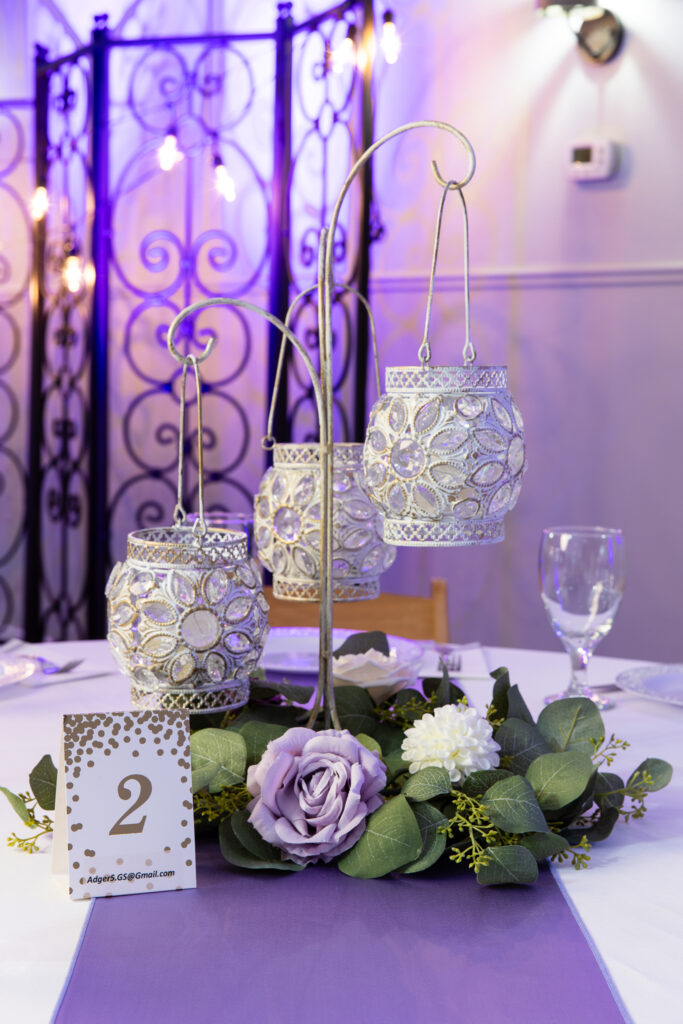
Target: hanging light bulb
<point>73,272</point>
<point>344,55</point>
<point>168,153</point>
<point>40,203</point>
<point>390,41</point>
<point>224,181</point>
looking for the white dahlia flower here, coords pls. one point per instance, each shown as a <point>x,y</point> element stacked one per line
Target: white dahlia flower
<point>455,737</point>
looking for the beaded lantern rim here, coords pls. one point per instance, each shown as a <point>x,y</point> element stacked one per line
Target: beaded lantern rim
<point>446,379</point>
<point>446,532</point>
<point>225,697</point>
<point>349,589</point>
<point>288,453</point>
<point>170,546</point>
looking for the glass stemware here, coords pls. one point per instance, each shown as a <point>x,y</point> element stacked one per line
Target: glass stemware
<point>581,576</point>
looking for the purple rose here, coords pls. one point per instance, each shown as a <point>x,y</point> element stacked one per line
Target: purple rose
<point>313,792</point>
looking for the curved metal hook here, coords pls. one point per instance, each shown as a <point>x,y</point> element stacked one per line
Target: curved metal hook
<point>173,330</point>
<point>326,256</point>
<point>449,181</point>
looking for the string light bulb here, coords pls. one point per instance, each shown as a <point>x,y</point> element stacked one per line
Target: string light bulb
<point>168,153</point>
<point>223,180</point>
<point>344,55</point>
<point>73,272</point>
<point>40,203</point>
<point>390,40</point>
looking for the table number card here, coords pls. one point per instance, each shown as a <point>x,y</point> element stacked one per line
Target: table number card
<point>123,816</point>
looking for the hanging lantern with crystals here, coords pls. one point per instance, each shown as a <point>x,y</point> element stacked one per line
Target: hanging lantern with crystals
<point>444,450</point>
<point>287,510</point>
<point>287,525</point>
<point>187,618</point>
<point>444,455</point>
<point>187,615</point>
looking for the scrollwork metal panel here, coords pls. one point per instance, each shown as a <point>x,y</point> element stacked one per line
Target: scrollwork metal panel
<point>15,269</point>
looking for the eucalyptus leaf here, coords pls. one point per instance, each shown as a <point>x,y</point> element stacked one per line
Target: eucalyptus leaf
<point>219,758</point>
<point>257,736</point>
<point>273,713</point>
<point>575,808</point>
<point>476,784</point>
<point>573,723</point>
<point>237,854</point>
<point>512,806</point>
<point>391,839</point>
<point>508,865</point>
<point>359,643</point>
<point>246,834</point>
<point>499,700</point>
<point>520,744</point>
<point>18,805</point>
<point>559,778</point>
<point>429,820</point>
<point>517,707</point>
<point>607,791</point>
<point>426,784</point>
<point>395,763</point>
<point>544,844</point>
<point>595,833</point>
<point>43,782</point>
<point>443,688</point>
<point>389,737</point>
<point>355,708</point>
<point>659,771</point>
<point>268,690</point>
<point>369,743</point>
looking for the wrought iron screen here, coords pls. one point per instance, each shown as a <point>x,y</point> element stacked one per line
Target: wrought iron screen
<point>104,404</point>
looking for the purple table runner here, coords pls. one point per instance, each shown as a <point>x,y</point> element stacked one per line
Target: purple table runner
<point>320,948</point>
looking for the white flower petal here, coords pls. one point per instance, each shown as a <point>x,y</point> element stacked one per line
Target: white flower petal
<point>454,737</point>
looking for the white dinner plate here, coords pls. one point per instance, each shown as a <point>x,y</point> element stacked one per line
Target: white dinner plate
<point>659,682</point>
<point>295,649</point>
<point>13,669</point>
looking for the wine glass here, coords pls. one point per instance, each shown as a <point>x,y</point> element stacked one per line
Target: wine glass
<point>581,575</point>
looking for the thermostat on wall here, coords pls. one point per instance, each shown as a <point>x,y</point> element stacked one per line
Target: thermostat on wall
<point>593,159</point>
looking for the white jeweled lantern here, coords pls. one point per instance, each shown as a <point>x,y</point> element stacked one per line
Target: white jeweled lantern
<point>444,455</point>
<point>287,525</point>
<point>187,618</point>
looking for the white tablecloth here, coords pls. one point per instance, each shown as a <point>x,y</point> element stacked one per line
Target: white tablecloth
<point>628,900</point>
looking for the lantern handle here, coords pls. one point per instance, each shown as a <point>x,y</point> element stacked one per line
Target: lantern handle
<point>425,351</point>
<point>269,440</point>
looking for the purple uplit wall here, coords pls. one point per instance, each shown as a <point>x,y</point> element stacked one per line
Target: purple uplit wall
<point>577,287</point>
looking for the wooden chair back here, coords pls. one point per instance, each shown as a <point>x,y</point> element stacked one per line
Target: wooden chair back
<point>418,618</point>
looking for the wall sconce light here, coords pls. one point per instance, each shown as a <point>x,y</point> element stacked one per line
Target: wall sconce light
<point>168,153</point>
<point>598,31</point>
<point>223,180</point>
<point>390,40</point>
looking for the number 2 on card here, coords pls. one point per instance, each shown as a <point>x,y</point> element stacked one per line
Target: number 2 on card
<point>121,829</point>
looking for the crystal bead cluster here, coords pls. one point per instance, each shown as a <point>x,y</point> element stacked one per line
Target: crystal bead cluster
<point>444,455</point>
<point>287,525</point>
<point>187,618</point>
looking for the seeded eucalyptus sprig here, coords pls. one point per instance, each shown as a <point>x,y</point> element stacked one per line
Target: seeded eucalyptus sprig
<point>43,782</point>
